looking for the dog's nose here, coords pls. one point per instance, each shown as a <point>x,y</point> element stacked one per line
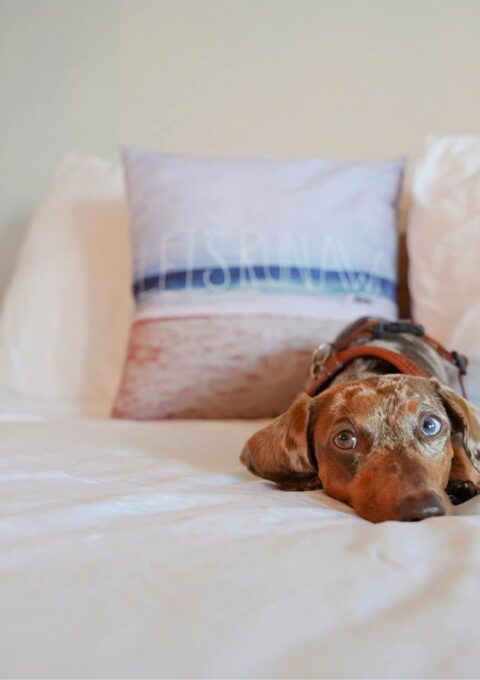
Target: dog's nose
<point>421,506</point>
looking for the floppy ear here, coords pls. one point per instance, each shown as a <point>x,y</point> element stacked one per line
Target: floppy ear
<point>465,421</point>
<point>283,451</point>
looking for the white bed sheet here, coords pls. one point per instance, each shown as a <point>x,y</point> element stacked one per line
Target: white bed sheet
<point>145,550</point>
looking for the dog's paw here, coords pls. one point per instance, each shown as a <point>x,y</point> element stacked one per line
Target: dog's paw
<point>460,491</point>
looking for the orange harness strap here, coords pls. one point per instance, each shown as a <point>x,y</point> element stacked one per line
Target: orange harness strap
<point>330,359</point>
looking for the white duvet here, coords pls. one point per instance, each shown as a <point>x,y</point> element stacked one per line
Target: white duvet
<point>145,550</point>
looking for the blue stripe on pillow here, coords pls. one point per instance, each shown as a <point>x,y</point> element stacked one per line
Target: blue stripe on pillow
<point>273,278</point>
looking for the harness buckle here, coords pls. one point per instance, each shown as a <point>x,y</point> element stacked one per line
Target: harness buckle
<point>319,358</point>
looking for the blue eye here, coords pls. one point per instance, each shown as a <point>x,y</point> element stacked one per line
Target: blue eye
<point>431,426</point>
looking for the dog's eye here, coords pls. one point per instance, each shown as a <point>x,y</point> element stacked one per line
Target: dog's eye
<point>431,426</point>
<point>345,440</point>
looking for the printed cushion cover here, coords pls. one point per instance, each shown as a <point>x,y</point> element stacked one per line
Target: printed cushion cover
<point>241,267</point>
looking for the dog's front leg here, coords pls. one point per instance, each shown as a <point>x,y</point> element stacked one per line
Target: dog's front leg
<point>464,480</point>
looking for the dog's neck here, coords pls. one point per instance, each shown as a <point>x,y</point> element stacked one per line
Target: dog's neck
<point>410,346</point>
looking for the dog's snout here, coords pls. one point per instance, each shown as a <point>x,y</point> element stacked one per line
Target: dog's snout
<point>421,506</point>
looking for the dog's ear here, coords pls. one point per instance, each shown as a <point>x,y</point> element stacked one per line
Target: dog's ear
<point>283,451</point>
<point>465,422</point>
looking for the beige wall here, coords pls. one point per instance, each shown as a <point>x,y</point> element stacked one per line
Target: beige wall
<point>345,78</point>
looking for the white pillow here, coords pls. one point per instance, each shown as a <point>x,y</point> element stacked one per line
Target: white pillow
<point>65,320</point>
<point>444,247</point>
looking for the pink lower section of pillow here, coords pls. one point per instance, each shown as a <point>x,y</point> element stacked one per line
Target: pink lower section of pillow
<point>217,367</point>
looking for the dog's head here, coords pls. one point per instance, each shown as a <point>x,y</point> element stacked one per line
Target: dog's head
<point>384,445</point>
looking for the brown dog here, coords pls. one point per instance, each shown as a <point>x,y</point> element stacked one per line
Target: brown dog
<point>393,446</point>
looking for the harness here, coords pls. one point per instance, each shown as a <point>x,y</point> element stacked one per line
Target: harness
<point>330,358</point>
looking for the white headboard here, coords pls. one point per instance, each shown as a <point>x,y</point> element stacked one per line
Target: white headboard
<point>363,79</point>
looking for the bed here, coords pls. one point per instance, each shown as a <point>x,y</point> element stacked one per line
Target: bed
<point>145,550</point>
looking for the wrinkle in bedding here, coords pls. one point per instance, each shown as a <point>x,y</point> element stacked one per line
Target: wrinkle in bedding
<point>145,550</point>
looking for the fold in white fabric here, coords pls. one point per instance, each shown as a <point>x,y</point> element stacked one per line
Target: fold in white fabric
<point>145,550</point>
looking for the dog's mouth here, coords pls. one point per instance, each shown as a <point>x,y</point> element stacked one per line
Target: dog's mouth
<point>415,506</point>
<point>389,502</point>
<point>412,508</point>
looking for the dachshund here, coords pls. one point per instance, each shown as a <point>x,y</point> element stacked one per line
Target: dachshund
<point>383,431</point>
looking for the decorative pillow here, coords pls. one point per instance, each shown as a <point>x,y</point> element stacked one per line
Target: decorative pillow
<point>66,316</point>
<point>240,268</point>
<point>444,242</point>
